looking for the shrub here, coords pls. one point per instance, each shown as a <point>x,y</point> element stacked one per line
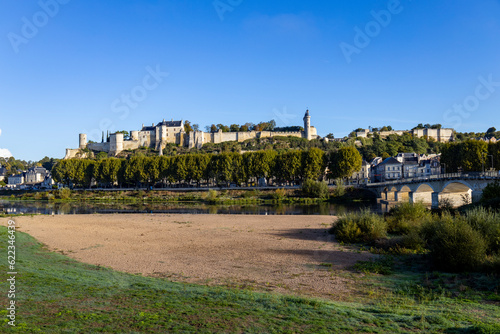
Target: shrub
<point>406,217</point>
<point>454,244</point>
<point>212,195</point>
<point>414,241</point>
<point>64,193</point>
<point>486,222</point>
<point>491,191</point>
<point>339,190</point>
<point>364,226</point>
<point>279,194</point>
<point>315,189</point>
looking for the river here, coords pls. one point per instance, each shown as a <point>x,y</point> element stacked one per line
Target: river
<point>52,208</point>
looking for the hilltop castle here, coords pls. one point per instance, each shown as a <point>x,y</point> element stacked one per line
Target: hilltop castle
<point>172,132</point>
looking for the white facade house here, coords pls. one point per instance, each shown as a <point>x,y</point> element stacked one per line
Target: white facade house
<point>35,175</point>
<point>15,180</point>
<point>388,170</point>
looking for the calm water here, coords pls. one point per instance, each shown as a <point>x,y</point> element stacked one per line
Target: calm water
<point>47,208</point>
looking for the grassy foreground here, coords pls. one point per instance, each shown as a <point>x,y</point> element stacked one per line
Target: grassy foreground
<point>56,294</point>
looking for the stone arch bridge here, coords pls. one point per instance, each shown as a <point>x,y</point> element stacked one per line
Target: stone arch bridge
<point>456,188</point>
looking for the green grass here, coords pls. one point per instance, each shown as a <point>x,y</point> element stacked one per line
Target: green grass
<point>56,294</point>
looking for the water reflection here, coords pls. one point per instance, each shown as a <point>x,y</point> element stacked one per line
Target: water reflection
<point>49,208</point>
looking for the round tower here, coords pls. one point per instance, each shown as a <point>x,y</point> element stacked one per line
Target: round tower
<point>307,125</point>
<point>83,141</point>
<point>116,143</point>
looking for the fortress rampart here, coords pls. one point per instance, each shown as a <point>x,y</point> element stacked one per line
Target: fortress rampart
<point>172,132</point>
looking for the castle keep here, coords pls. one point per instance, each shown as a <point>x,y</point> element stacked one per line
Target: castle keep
<point>172,132</point>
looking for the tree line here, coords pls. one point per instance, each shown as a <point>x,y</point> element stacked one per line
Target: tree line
<point>287,167</point>
<point>470,156</point>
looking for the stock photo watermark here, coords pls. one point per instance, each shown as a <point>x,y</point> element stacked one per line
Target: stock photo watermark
<point>283,116</point>
<point>460,111</point>
<point>224,6</point>
<point>31,26</point>
<point>364,36</point>
<point>129,101</point>
<point>11,273</point>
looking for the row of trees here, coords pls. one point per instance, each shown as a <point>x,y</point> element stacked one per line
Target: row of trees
<point>292,166</point>
<point>471,155</point>
<point>262,126</point>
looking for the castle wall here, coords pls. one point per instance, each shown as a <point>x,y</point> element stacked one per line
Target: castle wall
<point>71,153</point>
<point>131,144</point>
<point>157,137</point>
<point>147,138</point>
<point>100,147</point>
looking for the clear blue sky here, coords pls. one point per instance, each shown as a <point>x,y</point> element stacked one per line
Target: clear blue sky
<point>68,69</point>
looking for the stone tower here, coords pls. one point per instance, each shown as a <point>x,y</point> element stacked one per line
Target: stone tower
<point>116,143</point>
<point>307,125</point>
<point>83,141</point>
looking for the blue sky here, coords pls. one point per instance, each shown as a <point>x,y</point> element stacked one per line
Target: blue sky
<point>71,66</point>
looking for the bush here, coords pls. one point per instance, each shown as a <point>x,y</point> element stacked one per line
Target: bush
<point>454,244</point>
<point>315,189</point>
<point>486,222</point>
<point>414,241</point>
<point>212,195</point>
<point>279,194</point>
<point>491,191</point>
<point>406,217</point>
<point>64,193</point>
<point>339,190</point>
<point>360,227</point>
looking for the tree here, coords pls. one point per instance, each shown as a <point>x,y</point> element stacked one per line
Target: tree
<point>134,171</point>
<point>288,165</point>
<point>222,127</point>
<point>196,127</point>
<point>221,167</point>
<point>126,134</point>
<point>469,155</point>
<point>108,170</point>
<point>344,162</point>
<point>313,163</point>
<point>179,168</point>
<point>152,170</point>
<point>234,128</point>
<point>187,126</point>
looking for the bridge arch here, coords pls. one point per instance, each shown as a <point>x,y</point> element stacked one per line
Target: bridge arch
<point>456,192</point>
<point>422,193</point>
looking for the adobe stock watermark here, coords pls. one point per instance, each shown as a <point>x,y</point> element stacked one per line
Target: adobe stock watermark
<point>129,101</point>
<point>363,37</point>
<point>224,6</point>
<point>283,116</point>
<point>460,111</point>
<point>31,26</point>
<point>11,273</point>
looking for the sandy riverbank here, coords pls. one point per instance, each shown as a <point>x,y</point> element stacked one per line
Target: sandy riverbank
<point>291,254</point>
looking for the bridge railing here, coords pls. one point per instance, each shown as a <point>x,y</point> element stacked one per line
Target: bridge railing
<point>490,175</point>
